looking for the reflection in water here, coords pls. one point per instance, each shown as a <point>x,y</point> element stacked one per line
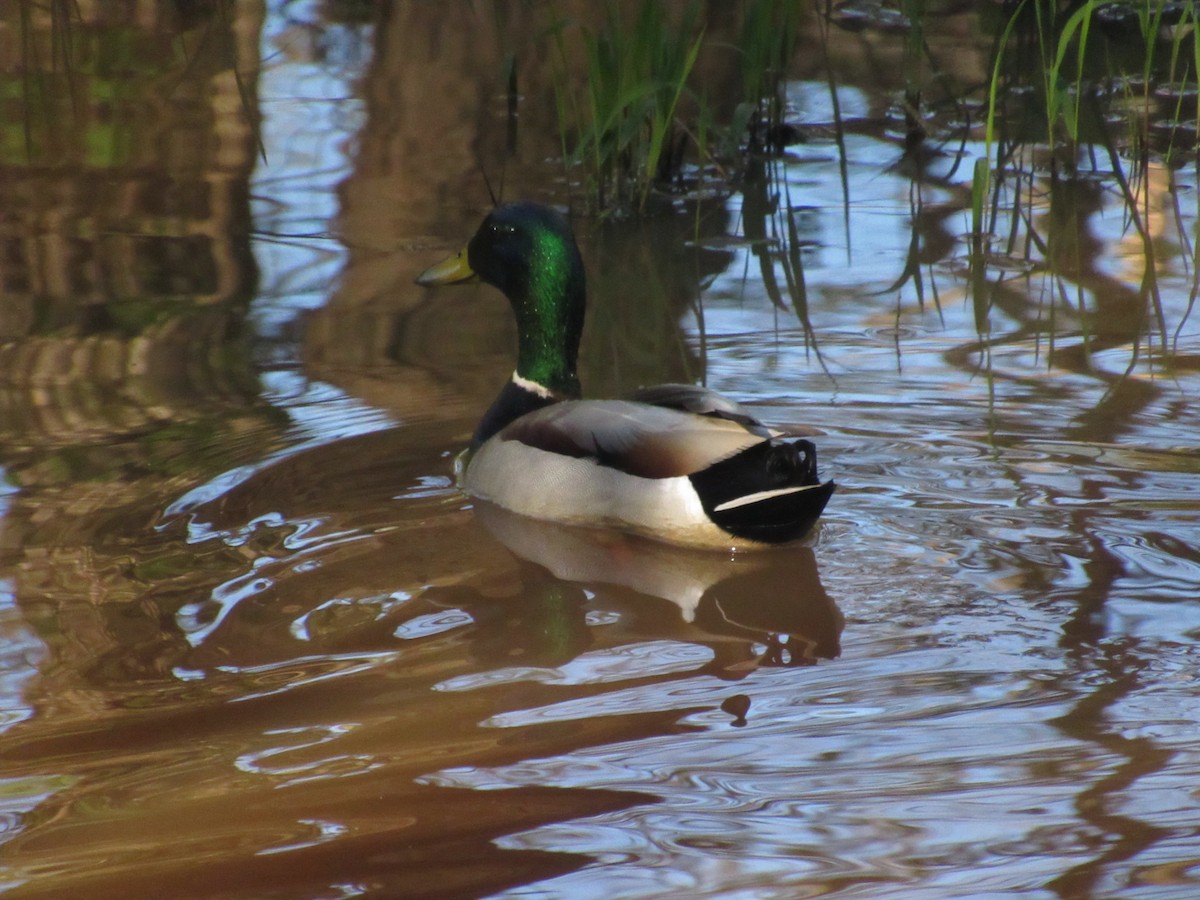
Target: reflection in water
<point>772,597</point>
<point>1120,837</point>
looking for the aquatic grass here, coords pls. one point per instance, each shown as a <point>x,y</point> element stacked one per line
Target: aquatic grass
<point>771,231</point>
<point>911,272</point>
<point>1085,72</point>
<point>839,131</point>
<point>637,121</point>
<point>1063,98</point>
<point>1182,70</point>
<point>637,126</point>
<point>914,55</point>
<point>1080,77</point>
<point>623,131</point>
<point>766,47</point>
<point>981,185</point>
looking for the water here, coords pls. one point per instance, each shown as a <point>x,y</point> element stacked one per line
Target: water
<point>255,644</point>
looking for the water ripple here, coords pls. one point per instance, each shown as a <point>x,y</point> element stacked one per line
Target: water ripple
<point>624,663</point>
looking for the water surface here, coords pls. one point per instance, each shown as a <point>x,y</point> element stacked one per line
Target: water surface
<point>255,643</point>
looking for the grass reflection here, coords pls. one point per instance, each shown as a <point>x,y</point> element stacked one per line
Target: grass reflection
<point>1100,96</point>
<point>1069,98</point>
<point>771,224</point>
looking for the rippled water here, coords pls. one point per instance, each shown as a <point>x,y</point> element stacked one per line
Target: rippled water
<point>255,644</point>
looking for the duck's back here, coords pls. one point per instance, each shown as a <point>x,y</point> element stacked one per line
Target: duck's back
<point>611,462</point>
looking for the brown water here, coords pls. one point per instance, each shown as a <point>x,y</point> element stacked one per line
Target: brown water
<point>255,644</point>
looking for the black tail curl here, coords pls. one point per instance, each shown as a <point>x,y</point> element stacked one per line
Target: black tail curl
<point>772,466</point>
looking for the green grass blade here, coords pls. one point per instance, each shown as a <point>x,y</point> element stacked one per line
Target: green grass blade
<point>662,124</point>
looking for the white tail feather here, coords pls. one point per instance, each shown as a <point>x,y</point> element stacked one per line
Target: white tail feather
<point>761,495</point>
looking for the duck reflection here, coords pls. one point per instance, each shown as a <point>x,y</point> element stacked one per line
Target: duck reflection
<point>333,576</point>
<point>756,609</point>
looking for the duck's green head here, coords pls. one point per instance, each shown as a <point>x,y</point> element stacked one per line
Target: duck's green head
<point>528,252</point>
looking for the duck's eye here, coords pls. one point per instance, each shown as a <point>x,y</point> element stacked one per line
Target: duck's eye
<point>498,229</point>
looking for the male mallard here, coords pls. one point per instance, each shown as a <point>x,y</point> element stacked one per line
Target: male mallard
<point>676,462</point>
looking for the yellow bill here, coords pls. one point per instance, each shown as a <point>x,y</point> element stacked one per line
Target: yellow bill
<point>454,270</point>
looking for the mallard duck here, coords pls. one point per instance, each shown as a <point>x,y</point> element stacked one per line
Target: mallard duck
<point>679,463</point>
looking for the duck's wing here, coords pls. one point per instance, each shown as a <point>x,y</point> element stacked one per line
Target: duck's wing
<point>701,401</point>
<point>637,438</point>
<point>699,480</point>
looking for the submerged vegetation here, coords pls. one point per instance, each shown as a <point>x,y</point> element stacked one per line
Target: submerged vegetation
<point>1076,90</point>
<point>1082,92</point>
<point>624,128</point>
<point>1063,75</point>
<point>642,122</point>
